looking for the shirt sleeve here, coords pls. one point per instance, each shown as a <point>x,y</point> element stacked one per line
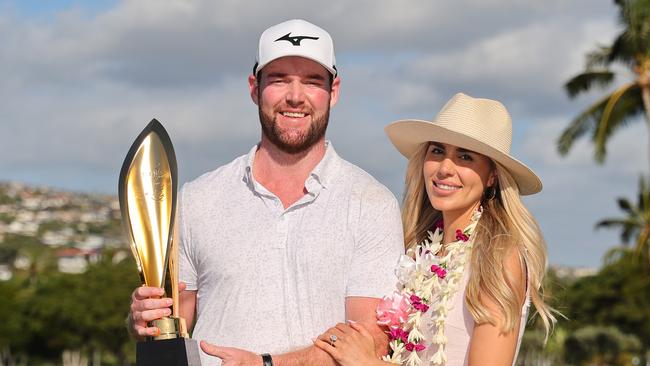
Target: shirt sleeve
<point>186,255</point>
<point>379,242</point>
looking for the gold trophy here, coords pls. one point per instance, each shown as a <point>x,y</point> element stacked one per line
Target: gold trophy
<point>148,186</point>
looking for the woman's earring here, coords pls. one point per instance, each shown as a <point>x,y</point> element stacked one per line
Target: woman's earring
<point>490,193</point>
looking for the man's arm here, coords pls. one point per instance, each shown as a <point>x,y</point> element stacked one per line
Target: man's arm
<point>238,357</point>
<point>363,310</point>
<point>358,309</point>
<point>187,307</point>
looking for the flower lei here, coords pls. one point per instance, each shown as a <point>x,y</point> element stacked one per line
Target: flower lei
<point>427,283</point>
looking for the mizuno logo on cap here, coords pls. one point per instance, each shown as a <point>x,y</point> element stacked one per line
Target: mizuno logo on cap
<point>295,40</point>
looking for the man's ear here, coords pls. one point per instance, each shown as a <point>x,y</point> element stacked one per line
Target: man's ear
<point>253,87</point>
<point>334,91</point>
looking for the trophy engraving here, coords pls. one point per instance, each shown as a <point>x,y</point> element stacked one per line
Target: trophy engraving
<point>158,177</point>
<point>148,185</point>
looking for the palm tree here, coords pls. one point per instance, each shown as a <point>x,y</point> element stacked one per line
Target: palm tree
<point>636,222</point>
<point>630,49</point>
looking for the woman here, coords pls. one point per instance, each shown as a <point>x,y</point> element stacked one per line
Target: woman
<point>466,288</point>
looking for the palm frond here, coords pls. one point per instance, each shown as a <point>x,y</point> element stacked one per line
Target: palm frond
<point>599,57</point>
<point>621,107</point>
<point>623,50</point>
<point>586,80</point>
<point>579,126</point>
<point>604,129</point>
<point>629,229</point>
<point>643,201</point>
<point>615,254</point>
<point>588,120</point>
<point>625,205</point>
<point>636,221</point>
<point>609,223</point>
<point>634,16</point>
<point>637,16</point>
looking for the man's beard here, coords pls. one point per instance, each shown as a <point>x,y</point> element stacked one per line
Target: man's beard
<point>296,142</point>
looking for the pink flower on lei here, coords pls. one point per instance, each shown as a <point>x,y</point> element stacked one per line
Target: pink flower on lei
<point>439,271</point>
<point>415,347</point>
<point>460,236</point>
<point>393,310</point>
<point>399,333</point>
<point>417,304</point>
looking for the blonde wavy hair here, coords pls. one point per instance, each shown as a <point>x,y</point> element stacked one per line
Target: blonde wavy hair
<point>505,226</point>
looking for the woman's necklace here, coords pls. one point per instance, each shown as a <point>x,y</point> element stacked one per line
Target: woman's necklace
<point>427,283</point>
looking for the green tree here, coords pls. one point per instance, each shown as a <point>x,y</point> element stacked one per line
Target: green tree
<point>630,49</point>
<point>56,317</point>
<point>82,313</point>
<point>107,289</point>
<point>536,348</point>
<point>601,346</point>
<point>636,222</point>
<point>619,295</point>
<point>13,336</point>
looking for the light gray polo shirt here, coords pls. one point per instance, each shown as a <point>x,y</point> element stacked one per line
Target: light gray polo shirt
<point>270,279</point>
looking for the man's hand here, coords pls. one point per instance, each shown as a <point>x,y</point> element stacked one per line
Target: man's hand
<point>146,305</point>
<point>232,356</point>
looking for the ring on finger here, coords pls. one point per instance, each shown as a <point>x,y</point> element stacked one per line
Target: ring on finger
<point>333,339</point>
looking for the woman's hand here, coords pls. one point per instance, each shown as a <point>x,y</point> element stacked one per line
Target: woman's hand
<point>349,345</point>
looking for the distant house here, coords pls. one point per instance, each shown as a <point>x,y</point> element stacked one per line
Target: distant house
<point>54,239</point>
<point>23,228</point>
<point>5,272</point>
<point>574,272</point>
<point>92,242</point>
<point>75,260</point>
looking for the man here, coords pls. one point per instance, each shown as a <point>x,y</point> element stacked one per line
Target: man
<point>290,239</point>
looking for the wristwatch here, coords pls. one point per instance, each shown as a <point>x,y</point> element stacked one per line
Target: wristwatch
<point>267,360</point>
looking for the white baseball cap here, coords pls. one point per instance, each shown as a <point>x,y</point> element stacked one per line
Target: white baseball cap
<point>296,37</point>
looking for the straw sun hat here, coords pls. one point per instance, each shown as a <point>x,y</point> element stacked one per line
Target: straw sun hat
<point>480,125</point>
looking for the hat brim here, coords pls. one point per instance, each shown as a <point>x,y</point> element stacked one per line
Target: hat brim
<point>407,135</point>
<point>260,65</point>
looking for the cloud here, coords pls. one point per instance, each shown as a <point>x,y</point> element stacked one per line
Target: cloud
<point>524,67</point>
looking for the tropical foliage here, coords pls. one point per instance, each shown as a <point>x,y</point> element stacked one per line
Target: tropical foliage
<point>635,225</point>
<point>68,316</point>
<point>606,318</point>
<point>631,50</point>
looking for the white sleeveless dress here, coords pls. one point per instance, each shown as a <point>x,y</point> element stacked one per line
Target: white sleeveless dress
<point>459,327</point>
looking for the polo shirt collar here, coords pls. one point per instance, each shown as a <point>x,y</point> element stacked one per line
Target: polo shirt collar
<point>323,173</point>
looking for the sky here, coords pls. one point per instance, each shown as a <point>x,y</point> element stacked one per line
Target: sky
<point>80,79</point>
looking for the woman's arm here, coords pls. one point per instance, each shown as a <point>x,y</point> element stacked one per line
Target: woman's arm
<point>489,346</point>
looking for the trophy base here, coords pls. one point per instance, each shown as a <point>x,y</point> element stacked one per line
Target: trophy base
<point>170,327</point>
<point>168,352</point>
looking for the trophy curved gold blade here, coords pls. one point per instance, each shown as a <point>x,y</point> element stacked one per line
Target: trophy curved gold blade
<point>147,193</point>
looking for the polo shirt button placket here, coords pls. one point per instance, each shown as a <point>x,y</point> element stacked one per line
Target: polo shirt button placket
<point>283,225</point>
